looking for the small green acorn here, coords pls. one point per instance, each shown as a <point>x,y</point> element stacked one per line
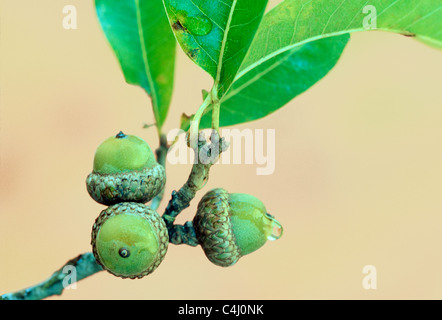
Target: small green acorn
<point>129,240</point>
<point>231,225</point>
<point>125,170</point>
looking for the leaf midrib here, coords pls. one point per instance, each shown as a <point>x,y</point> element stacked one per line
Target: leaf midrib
<point>258,76</point>
<point>153,93</point>
<point>223,44</point>
<point>287,48</point>
<point>244,71</point>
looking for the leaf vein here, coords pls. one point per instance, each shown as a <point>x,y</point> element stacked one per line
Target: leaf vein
<point>388,7</point>
<point>213,21</point>
<point>257,77</point>
<point>424,17</point>
<point>356,14</point>
<point>331,16</point>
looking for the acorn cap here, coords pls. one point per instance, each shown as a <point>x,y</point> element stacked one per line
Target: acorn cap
<point>231,225</point>
<point>213,228</point>
<point>129,240</point>
<point>131,186</point>
<point>125,170</point>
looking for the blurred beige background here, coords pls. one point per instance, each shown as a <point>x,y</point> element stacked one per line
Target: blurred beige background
<point>358,176</point>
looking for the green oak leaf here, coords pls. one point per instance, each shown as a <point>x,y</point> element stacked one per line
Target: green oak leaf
<point>293,35</point>
<point>294,22</point>
<point>216,34</point>
<point>139,33</point>
<point>275,82</point>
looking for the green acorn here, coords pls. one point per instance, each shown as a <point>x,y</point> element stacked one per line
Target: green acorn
<point>125,170</point>
<point>129,240</point>
<point>231,225</point>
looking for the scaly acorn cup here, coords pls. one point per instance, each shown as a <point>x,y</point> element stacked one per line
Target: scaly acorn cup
<point>129,240</point>
<point>231,225</point>
<point>125,170</point>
